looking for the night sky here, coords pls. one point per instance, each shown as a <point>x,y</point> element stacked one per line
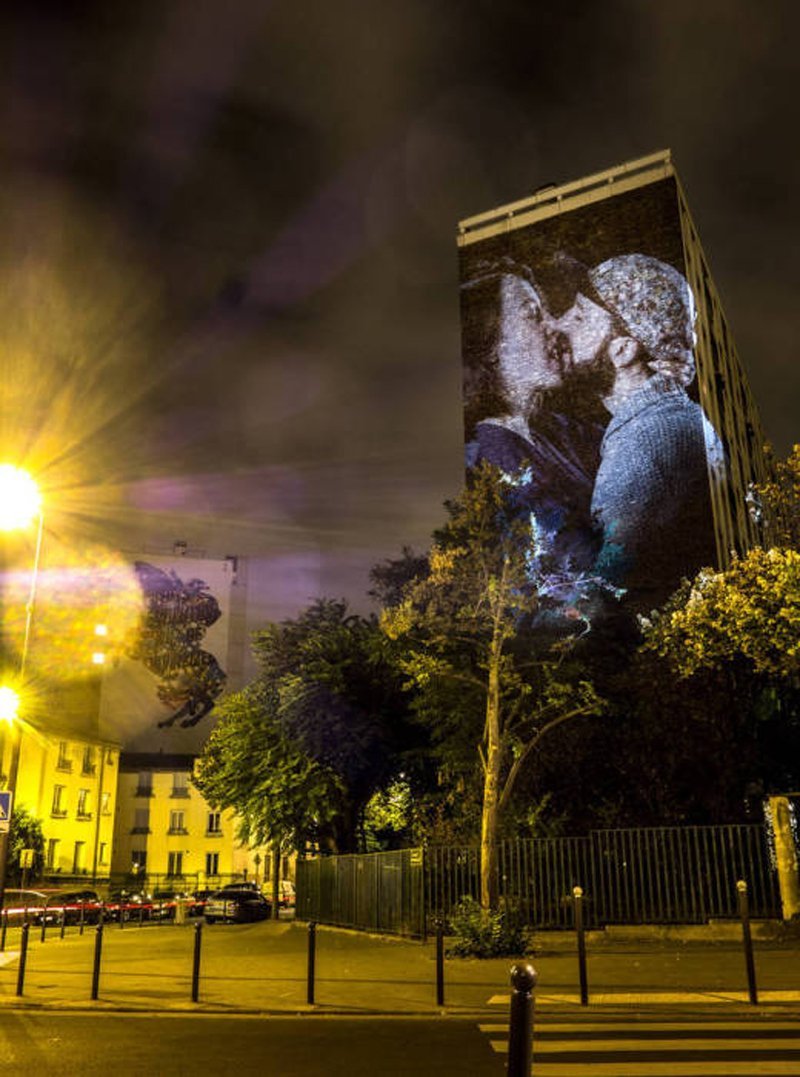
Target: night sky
<point>229,273</point>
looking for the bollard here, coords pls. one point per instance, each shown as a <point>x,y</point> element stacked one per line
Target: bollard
<point>23,957</point>
<point>4,931</point>
<point>577,903</point>
<point>198,934</point>
<point>98,950</point>
<point>63,922</point>
<point>141,915</point>
<point>312,960</point>
<point>520,1024</point>
<point>440,963</point>
<point>44,926</point>
<point>83,917</point>
<point>744,913</point>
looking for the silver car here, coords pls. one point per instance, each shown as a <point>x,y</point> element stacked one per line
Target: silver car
<point>238,906</point>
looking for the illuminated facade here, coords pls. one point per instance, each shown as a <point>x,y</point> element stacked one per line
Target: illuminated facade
<point>69,782</point>
<point>601,377</point>
<point>165,829</point>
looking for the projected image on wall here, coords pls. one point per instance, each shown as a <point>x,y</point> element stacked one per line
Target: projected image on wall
<point>580,384</point>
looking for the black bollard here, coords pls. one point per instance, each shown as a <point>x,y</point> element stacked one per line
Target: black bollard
<point>750,966</point>
<point>312,960</point>
<point>141,915</point>
<point>83,917</point>
<point>63,922</point>
<point>577,904</point>
<point>44,926</point>
<point>520,1025</point>
<point>98,950</point>
<point>23,957</point>
<point>440,963</point>
<point>4,931</point>
<point>198,936</point>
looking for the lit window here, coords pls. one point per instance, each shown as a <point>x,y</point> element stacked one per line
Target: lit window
<point>59,800</point>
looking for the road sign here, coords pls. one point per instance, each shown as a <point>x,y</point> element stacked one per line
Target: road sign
<point>6,798</point>
<point>26,858</point>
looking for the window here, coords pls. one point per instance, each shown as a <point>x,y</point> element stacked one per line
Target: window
<point>77,860</point>
<point>88,760</point>
<point>138,861</point>
<point>212,863</point>
<point>141,821</point>
<point>102,857</point>
<point>214,823</point>
<point>105,804</point>
<point>177,822</point>
<point>83,804</point>
<point>180,787</point>
<point>59,800</point>
<point>175,864</point>
<point>51,861</point>
<point>64,761</point>
<point>145,785</point>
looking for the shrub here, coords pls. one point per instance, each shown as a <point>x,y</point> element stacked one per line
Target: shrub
<point>482,933</point>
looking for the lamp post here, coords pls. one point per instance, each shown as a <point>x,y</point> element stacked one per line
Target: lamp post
<point>20,506</point>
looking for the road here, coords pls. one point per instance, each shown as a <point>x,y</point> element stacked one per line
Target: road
<point>55,1044</point>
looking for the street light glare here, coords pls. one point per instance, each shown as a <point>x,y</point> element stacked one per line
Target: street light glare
<point>20,500</point>
<point>9,704</point>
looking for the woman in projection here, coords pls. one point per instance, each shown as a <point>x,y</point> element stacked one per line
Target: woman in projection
<point>533,408</point>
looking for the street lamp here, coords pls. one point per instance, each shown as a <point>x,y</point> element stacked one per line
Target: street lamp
<point>20,506</point>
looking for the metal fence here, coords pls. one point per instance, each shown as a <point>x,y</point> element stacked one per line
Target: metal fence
<point>658,875</point>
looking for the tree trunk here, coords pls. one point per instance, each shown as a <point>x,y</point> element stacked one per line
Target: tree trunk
<point>491,788</point>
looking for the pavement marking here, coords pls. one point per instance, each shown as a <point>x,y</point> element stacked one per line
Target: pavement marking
<point>655,998</point>
<point>725,1048</point>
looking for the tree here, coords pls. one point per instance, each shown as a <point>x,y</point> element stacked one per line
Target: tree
<point>25,832</point>
<point>750,612</point>
<point>476,647</point>
<point>300,752</point>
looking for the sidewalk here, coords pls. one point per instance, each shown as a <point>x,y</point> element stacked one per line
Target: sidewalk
<point>262,968</point>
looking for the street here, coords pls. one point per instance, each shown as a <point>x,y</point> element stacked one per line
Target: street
<point>48,1044</point>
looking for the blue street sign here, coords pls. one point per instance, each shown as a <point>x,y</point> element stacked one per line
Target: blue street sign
<point>6,797</point>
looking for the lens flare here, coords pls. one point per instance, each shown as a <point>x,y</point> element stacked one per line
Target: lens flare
<point>20,500</point>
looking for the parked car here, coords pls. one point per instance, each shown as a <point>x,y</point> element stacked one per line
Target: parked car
<point>239,906</point>
<point>165,903</point>
<point>74,905</point>
<point>129,904</point>
<point>287,894</point>
<point>243,886</point>
<point>23,906</point>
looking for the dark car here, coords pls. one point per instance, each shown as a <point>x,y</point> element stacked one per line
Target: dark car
<point>242,886</point>
<point>75,906</point>
<point>129,905</point>
<point>239,906</point>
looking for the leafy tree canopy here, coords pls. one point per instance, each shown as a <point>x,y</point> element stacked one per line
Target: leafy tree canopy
<point>302,749</point>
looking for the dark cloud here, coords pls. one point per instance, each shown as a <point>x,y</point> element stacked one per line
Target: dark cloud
<point>287,179</point>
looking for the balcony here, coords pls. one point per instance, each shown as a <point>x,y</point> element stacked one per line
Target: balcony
<point>84,815</point>
<point>58,813</point>
<point>177,830</point>
<point>89,769</point>
<point>141,830</point>
<point>143,791</point>
<point>180,791</point>
<point>65,765</point>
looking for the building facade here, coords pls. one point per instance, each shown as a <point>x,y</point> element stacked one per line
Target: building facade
<point>600,372</point>
<point>166,832</point>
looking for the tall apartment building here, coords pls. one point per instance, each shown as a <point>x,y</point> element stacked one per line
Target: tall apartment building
<point>565,296</point>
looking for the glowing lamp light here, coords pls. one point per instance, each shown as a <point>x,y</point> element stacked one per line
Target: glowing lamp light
<point>101,630</point>
<point>20,500</point>
<point>9,704</point>
<point>98,658</point>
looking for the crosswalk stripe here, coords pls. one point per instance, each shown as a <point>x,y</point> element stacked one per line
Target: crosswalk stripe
<point>755,1046</point>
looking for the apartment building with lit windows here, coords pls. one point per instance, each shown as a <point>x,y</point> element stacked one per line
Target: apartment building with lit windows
<point>165,829</point>
<point>69,783</point>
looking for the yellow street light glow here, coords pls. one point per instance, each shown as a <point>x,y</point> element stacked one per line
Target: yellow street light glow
<point>101,630</point>
<point>98,658</point>
<point>20,500</point>
<point>9,704</point>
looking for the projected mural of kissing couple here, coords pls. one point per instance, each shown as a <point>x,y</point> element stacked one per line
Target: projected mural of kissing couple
<point>585,395</point>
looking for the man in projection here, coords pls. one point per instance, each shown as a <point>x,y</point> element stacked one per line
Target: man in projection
<point>651,497</point>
